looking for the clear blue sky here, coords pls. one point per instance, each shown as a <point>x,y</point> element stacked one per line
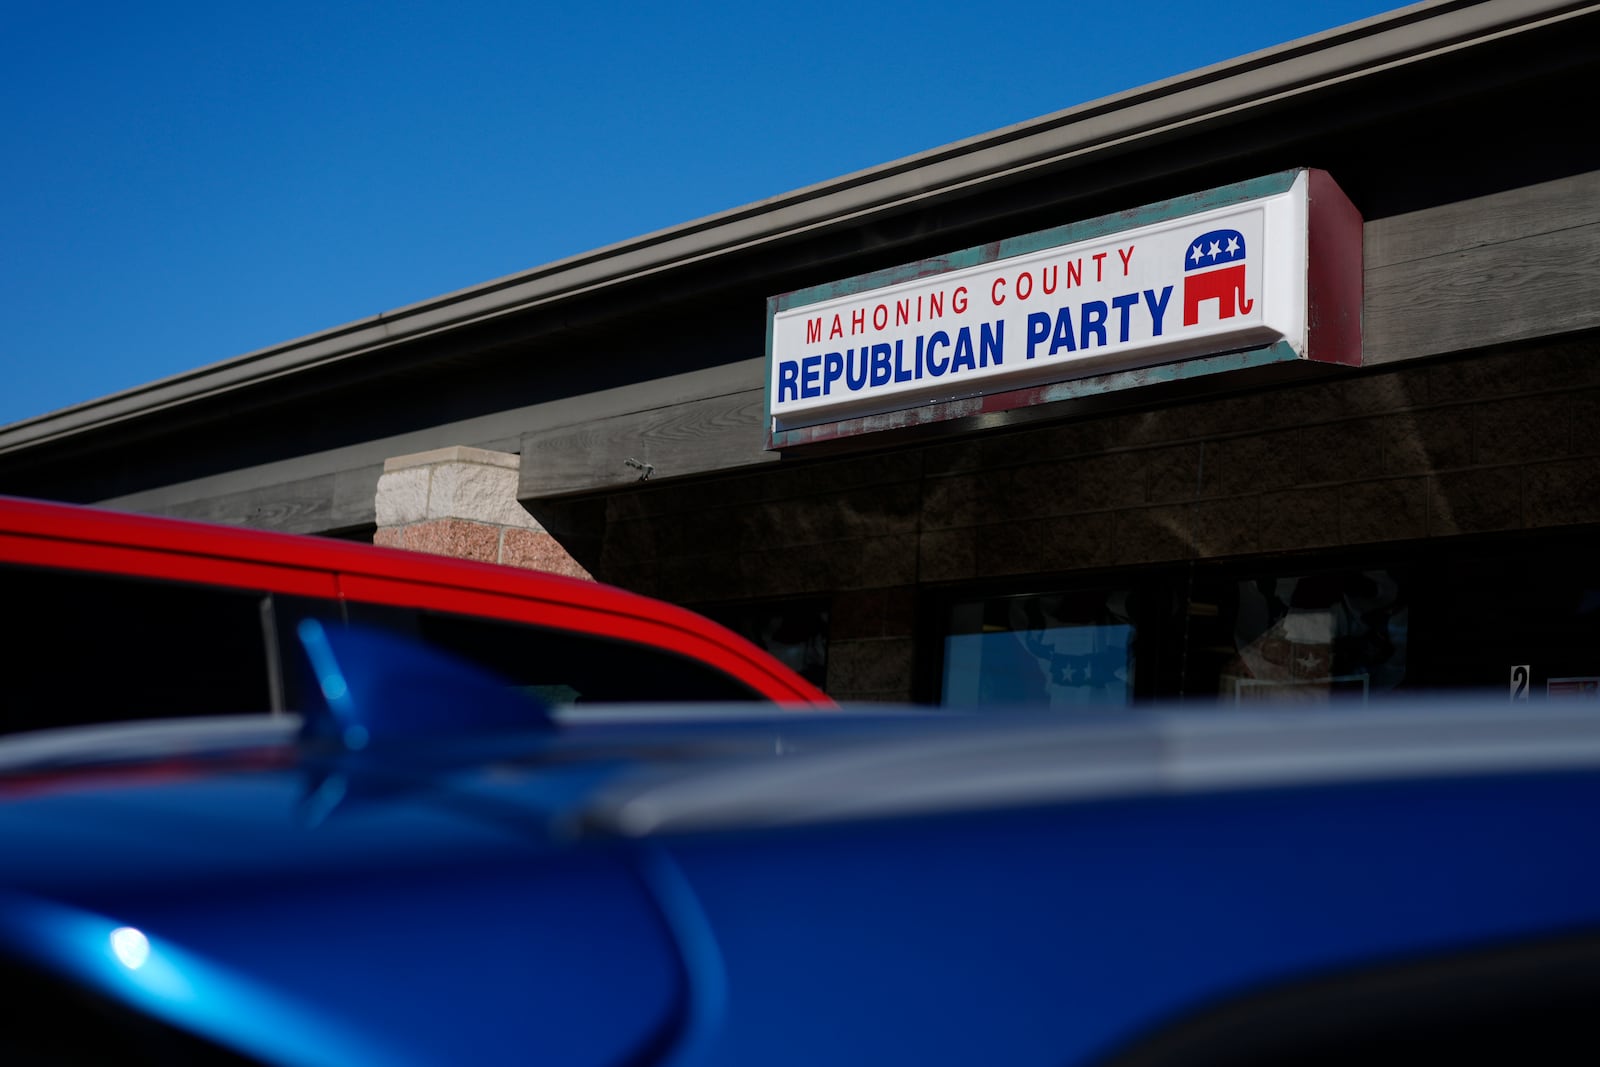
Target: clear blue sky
<point>187,182</point>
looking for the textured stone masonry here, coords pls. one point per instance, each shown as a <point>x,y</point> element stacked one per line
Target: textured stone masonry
<point>462,502</point>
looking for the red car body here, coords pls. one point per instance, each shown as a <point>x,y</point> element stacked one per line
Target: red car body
<point>63,537</point>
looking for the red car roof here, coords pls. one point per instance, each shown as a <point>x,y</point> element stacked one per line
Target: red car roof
<point>85,538</point>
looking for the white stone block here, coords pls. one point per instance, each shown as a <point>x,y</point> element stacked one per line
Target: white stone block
<point>479,492</point>
<point>402,496</point>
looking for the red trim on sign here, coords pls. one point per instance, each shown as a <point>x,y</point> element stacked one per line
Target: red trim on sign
<point>1334,280</point>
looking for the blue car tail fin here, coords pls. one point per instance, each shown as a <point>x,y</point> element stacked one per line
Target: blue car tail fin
<point>372,687</point>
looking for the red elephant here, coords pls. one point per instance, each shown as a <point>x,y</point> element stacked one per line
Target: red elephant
<point>1214,269</point>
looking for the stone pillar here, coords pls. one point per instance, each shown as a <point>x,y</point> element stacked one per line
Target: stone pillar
<point>462,502</point>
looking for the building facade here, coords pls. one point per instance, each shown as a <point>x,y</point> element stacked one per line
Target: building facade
<point>1421,515</point>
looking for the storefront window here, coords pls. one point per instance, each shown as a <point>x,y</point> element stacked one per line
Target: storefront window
<point>1504,618</point>
<point>1195,634</point>
<point>1298,638</point>
<point>1058,650</point>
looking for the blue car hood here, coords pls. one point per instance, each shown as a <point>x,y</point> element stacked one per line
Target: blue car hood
<point>432,923</point>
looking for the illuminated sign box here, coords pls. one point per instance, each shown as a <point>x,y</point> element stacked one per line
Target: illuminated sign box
<point>1261,272</point>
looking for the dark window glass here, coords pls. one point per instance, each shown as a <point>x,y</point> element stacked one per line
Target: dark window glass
<point>86,648</point>
<point>1518,617</point>
<point>1213,633</point>
<point>1061,650</point>
<point>1513,616</point>
<point>558,667</point>
<point>1306,637</point>
<point>794,632</point>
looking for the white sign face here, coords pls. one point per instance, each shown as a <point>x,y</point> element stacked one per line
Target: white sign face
<point>1216,281</point>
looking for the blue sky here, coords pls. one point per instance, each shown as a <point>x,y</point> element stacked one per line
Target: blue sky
<point>187,182</point>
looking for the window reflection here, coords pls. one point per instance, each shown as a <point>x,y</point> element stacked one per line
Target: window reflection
<point>1207,634</point>
<point>1513,617</point>
<point>1314,637</point>
<point>1058,650</point>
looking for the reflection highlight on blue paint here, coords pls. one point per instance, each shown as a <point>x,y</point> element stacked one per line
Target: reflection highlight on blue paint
<point>166,982</point>
<point>323,799</point>
<point>330,679</point>
<point>131,947</point>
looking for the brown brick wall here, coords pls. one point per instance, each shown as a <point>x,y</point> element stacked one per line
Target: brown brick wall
<point>483,542</point>
<point>1494,442</point>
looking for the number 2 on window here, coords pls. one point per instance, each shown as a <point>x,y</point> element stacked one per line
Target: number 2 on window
<point>1519,681</point>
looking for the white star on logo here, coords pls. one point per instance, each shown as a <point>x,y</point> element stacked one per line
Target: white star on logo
<point>1215,249</point>
<point>1195,254</point>
<point>1233,245</point>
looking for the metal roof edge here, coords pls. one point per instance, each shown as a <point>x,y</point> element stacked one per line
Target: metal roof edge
<point>1334,56</point>
<point>990,760</point>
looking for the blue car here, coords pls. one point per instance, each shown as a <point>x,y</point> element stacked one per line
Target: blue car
<point>424,869</point>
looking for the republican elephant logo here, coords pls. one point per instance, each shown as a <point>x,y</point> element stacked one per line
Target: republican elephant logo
<point>1214,270</point>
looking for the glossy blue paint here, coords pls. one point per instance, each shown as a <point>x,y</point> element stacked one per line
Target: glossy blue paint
<point>1059,936</point>
<point>378,688</point>
<point>431,927</point>
<point>915,908</point>
<point>186,990</point>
